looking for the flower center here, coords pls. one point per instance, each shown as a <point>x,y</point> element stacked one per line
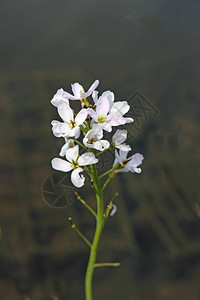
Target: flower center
<point>91,141</point>
<point>101,119</point>
<point>74,164</point>
<point>72,124</point>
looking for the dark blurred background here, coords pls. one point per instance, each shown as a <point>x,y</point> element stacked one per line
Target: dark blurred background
<point>147,52</point>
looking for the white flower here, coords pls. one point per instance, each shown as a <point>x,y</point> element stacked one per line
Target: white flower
<point>74,163</point>
<point>129,164</point>
<point>93,139</point>
<point>113,210</point>
<point>69,143</point>
<point>60,97</point>
<point>120,107</point>
<point>102,117</point>
<point>118,138</point>
<point>71,125</point>
<point>79,93</point>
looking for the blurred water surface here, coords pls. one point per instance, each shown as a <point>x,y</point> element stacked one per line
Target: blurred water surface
<point>147,52</point>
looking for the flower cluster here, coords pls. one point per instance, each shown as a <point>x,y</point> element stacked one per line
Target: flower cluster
<point>86,128</point>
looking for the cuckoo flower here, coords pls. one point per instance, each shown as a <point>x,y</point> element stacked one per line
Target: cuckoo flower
<point>102,117</point>
<point>78,91</point>
<point>128,164</point>
<point>69,143</point>
<point>59,98</point>
<point>74,163</point>
<point>118,138</point>
<point>120,107</point>
<point>71,125</point>
<point>93,139</point>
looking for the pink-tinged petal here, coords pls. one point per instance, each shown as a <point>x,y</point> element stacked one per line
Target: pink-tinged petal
<point>91,89</point>
<point>129,120</point>
<point>124,147</point>
<point>123,154</point>
<point>72,153</point>
<point>87,158</point>
<point>101,145</point>
<point>70,96</point>
<point>95,96</point>
<point>118,158</point>
<point>102,106</point>
<point>106,126</point>
<point>110,96</point>
<point>120,107</point>
<point>65,112</point>
<point>123,170</point>
<point>116,119</point>
<point>81,116</point>
<point>77,89</point>
<point>92,114</point>
<point>61,165</point>
<point>59,98</point>
<point>77,179</point>
<point>137,159</point>
<point>119,137</point>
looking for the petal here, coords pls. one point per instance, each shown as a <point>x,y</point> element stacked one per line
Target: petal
<point>129,120</point>
<point>77,89</point>
<point>81,116</point>
<point>72,153</point>
<point>61,165</point>
<point>91,89</point>
<point>118,158</point>
<point>64,149</point>
<point>95,96</point>
<point>92,114</point>
<point>110,96</point>
<point>102,106</point>
<point>65,112</point>
<point>124,147</point>
<point>135,161</point>
<point>96,132</point>
<point>68,144</point>
<point>77,179</point>
<point>120,107</point>
<point>85,142</point>
<point>87,158</point>
<point>101,145</point>
<point>59,98</point>
<point>123,154</point>
<point>113,210</point>
<point>60,129</point>
<point>116,119</point>
<point>119,137</point>
<point>106,126</point>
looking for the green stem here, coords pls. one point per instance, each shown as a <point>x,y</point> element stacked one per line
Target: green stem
<point>101,152</point>
<point>107,265</point>
<point>85,204</point>
<point>79,233</point>
<point>105,184</point>
<point>97,235</point>
<point>104,174</point>
<point>78,142</point>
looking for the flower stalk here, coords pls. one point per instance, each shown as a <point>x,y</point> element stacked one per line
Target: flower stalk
<point>89,125</point>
